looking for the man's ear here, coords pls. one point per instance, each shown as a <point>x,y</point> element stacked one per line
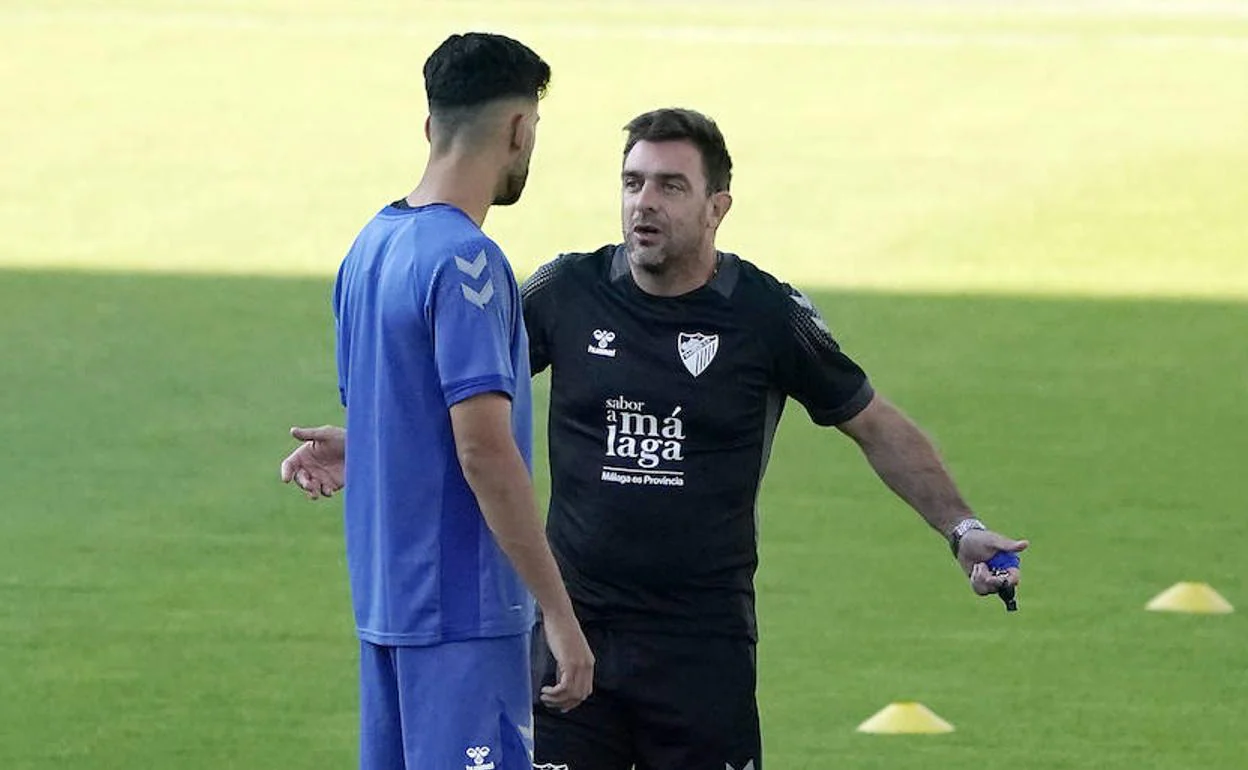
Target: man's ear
<point>518,132</point>
<point>721,202</point>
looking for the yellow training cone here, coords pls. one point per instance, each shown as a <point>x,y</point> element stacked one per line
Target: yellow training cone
<point>1190,597</point>
<point>905,717</point>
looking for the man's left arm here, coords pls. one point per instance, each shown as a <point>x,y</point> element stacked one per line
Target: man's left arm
<point>811,367</point>
<point>907,462</point>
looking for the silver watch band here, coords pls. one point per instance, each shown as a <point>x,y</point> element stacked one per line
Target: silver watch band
<point>959,531</point>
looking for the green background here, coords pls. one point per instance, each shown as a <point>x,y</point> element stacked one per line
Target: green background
<point>1029,222</point>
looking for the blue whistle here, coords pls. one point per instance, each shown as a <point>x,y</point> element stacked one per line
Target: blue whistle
<point>999,563</point>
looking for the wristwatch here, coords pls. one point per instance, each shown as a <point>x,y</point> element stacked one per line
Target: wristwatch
<point>959,531</point>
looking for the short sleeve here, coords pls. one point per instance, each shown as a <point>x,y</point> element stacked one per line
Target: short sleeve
<point>812,368</point>
<point>342,345</point>
<point>537,295</point>
<point>470,309</point>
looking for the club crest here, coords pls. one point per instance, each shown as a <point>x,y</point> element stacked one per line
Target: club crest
<point>697,350</point>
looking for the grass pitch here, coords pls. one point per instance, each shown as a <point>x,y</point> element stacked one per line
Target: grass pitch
<point>1028,223</point>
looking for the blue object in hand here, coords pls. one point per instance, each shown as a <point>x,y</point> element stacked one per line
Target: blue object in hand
<point>1003,560</point>
<point>999,563</point>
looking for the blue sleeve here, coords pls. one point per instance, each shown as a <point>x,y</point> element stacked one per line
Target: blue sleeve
<point>470,314</point>
<point>341,340</point>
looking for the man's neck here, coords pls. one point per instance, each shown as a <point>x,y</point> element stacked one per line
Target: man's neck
<point>690,275</point>
<point>457,180</point>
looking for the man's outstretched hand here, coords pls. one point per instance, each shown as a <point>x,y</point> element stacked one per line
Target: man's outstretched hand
<point>317,465</point>
<point>976,549</point>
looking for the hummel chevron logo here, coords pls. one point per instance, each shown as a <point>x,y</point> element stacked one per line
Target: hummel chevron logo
<point>804,302</point>
<point>473,268</point>
<point>479,298</point>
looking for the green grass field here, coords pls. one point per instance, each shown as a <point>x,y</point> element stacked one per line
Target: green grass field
<point>1027,220</point>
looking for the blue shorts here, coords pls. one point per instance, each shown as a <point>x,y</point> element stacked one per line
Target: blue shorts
<point>459,704</point>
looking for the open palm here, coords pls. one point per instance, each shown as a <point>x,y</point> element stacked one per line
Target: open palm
<point>317,465</point>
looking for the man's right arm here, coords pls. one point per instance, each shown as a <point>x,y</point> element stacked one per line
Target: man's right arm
<point>500,480</point>
<point>538,300</point>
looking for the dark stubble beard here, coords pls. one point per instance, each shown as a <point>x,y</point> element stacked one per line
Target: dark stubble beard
<point>664,259</point>
<point>656,267</point>
<point>513,186</point>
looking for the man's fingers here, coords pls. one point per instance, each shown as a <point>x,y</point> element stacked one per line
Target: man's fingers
<point>984,581</point>
<point>554,695</point>
<point>982,545</point>
<point>570,691</point>
<point>329,483</point>
<point>1013,546</point>
<point>562,700</point>
<point>309,434</point>
<point>979,579</point>
<point>307,484</point>
<point>560,696</point>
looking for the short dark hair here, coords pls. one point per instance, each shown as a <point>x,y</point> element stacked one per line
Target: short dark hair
<point>476,68</point>
<point>672,124</point>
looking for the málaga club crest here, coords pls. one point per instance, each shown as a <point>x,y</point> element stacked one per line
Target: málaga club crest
<point>697,350</point>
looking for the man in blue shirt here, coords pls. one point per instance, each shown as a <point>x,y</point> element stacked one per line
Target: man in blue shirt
<point>442,528</point>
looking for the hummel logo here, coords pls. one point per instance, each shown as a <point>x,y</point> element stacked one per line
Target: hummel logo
<point>748,766</point>
<point>603,339</point>
<point>473,268</point>
<point>478,754</point>
<point>479,297</point>
<point>805,303</point>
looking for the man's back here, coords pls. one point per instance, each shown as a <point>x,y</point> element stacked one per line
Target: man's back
<point>428,315</point>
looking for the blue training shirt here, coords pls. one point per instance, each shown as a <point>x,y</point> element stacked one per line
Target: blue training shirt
<point>427,315</point>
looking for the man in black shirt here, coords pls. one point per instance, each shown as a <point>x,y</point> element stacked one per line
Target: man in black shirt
<point>670,364</point>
